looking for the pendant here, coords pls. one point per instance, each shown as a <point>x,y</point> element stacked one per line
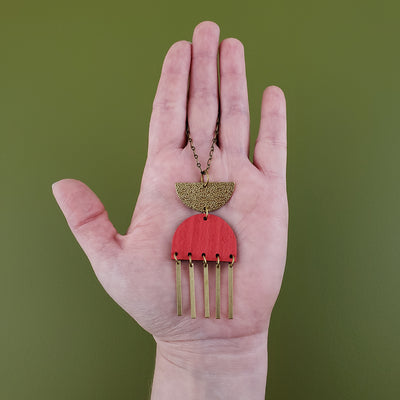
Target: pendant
<point>207,238</point>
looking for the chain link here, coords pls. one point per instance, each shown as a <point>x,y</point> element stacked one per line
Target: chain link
<point>211,152</point>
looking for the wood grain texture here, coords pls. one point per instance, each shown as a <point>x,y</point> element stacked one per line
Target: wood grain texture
<point>198,236</point>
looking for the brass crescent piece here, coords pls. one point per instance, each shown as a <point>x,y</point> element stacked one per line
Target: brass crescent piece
<point>199,197</point>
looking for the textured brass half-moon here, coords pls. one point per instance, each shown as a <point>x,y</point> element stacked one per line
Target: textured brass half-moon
<point>199,197</point>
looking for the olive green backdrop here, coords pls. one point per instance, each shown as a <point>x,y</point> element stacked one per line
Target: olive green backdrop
<point>77,79</point>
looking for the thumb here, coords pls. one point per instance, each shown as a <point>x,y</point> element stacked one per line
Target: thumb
<point>87,219</point>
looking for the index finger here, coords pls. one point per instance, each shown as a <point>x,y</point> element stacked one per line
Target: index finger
<point>168,117</point>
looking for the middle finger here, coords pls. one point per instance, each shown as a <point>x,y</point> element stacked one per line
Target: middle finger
<point>203,87</point>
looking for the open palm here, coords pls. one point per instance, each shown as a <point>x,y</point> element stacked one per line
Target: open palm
<point>136,269</point>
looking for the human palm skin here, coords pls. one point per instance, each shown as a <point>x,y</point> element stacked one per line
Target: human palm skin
<point>135,269</point>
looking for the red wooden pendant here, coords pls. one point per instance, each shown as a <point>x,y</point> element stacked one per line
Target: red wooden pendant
<point>200,235</point>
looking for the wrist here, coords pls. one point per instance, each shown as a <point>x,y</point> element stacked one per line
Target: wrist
<point>234,368</point>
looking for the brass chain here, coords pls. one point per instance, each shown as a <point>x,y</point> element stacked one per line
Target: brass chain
<point>211,152</point>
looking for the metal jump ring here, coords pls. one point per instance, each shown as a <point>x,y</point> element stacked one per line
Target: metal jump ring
<point>202,178</point>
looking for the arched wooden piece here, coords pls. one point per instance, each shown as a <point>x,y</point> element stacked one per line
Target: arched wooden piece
<point>198,236</point>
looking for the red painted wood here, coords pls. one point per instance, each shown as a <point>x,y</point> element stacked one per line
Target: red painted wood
<point>196,235</point>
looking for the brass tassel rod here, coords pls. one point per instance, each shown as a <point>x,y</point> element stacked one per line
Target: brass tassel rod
<point>218,289</point>
<point>206,289</point>
<point>191,288</point>
<point>230,289</point>
<point>178,287</point>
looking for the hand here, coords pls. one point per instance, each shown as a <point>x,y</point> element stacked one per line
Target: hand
<point>136,269</point>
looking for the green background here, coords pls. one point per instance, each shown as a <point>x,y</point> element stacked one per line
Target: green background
<point>77,79</point>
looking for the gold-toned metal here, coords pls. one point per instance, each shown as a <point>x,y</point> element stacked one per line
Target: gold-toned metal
<point>211,152</point>
<point>191,288</point>
<point>230,289</point>
<point>206,289</point>
<point>200,198</point>
<point>218,289</point>
<point>205,183</point>
<point>178,287</point>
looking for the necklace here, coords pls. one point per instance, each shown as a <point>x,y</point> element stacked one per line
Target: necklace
<point>204,237</point>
